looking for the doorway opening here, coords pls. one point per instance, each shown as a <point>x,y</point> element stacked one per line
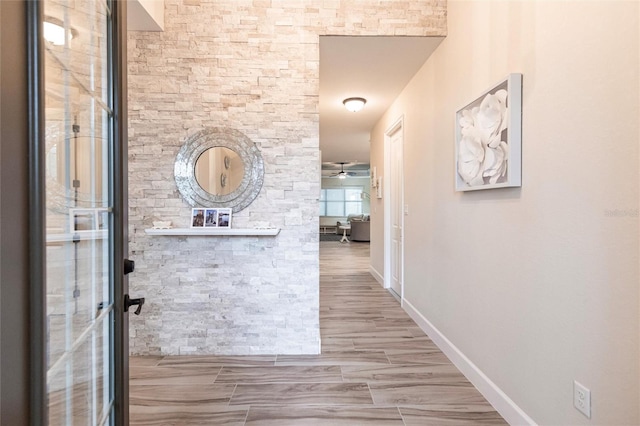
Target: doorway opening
<point>375,69</point>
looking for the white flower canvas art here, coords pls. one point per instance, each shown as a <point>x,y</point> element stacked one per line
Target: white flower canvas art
<point>488,138</point>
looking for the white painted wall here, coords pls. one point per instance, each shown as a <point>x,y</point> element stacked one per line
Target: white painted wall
<point>537,285</point>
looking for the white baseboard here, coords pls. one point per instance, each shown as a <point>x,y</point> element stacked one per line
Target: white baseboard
<point>496,397</point>
<point>378,277</point>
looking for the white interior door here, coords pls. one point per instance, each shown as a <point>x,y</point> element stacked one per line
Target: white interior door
<point>396,201</point>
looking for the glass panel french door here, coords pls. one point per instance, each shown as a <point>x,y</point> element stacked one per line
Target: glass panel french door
<point>79,221</point>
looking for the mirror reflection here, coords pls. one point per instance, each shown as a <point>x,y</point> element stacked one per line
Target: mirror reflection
<point>76,164</point>
<point>219,170</point>
<point>75,154</point>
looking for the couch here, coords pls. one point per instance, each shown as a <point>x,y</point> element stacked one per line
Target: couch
<point>362,226</point>
<point>330,224</point>
<point>360,230</point>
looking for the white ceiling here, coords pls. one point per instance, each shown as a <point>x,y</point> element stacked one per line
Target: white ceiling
<point>375,68</point>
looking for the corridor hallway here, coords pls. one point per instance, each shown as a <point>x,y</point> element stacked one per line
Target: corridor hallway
<point>376,368</point>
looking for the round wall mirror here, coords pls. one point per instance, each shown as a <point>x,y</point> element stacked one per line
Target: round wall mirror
<point>219,170</point>
<point>219,167</point>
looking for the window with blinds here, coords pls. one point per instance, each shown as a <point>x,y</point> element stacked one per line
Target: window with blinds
<point>341,202</point>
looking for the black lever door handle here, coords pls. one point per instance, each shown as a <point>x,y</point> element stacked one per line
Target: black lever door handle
<point>128,302</point>
<point>129,266</point>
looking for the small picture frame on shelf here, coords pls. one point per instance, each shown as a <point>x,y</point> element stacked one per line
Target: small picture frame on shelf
<point>82,220</point>
<point>224,218</point>
<point>89,219</point>
<point>197,218</point>
<point>211,218</point>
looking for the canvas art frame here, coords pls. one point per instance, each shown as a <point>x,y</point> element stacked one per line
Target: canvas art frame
<point>488,138</point>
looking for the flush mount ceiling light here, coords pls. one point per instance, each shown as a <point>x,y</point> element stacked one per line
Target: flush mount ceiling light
<point>354,104</point>
<point>54,32</point>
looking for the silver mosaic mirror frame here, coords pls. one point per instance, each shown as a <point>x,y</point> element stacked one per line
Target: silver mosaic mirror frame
<point>195,145</point>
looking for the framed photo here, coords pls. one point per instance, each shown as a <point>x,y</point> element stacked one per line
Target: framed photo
<point>211,218</point>
<point>224,218</point>
<point>197,218</point>
<point>96,219</point>
<point>489,138</point>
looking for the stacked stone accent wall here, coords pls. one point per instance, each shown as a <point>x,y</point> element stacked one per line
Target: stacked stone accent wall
<point>252,66</point>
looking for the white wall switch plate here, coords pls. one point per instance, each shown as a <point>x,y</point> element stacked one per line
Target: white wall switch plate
<point>582,399</point>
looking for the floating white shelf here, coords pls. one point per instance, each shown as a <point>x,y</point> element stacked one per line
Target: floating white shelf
<point>213,231</point>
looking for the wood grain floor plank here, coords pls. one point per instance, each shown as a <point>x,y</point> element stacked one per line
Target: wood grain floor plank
<point>216,361</point>
<point>410,343</point>
<point>328,415</point>
<point>175,375</point>
<point>431,356</point>
<point>371,334</point>
<point>302,393</point>
<point>336,344</point>
<point>326,324</point>
<point>194,394</point>
<point>192,415</point>
<point>140,361</point>
<point>452,415</point>
<point>425,374</point>
<point>412,393</point>
<point>416,331</point>
<point>395,322</point>
<point>335,358</point>
<point>280,374</point>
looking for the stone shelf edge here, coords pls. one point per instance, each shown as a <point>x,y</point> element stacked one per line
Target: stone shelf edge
<point>213,232</point>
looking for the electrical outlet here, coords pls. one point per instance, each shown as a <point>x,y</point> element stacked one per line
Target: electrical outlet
<point>582,399</point>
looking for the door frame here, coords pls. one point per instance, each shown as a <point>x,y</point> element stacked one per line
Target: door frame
<point>120,199</point>
<point>397,126</point>
<point>22,207</point>
<point>21,299</point>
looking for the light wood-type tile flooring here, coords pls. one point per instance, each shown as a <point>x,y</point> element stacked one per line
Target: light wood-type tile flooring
<point>376,368</point>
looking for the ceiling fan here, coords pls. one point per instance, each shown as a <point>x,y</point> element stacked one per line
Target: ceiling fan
<point>342,174</point>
